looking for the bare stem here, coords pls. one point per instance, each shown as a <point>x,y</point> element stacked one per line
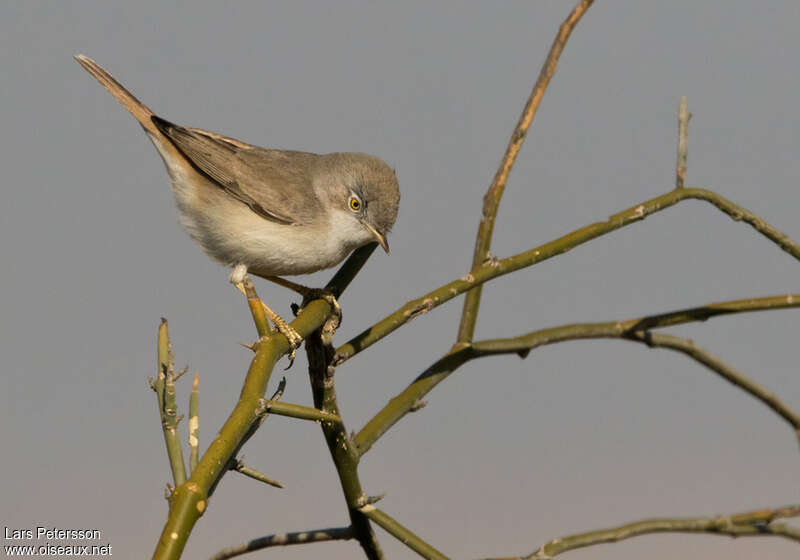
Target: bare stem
<point>301,412</point>
<point>401,533</point>
<point>164,387</point>
<point>749,524</point>
<point>491,201</point>
<point>345,459</point>
<point>631,329</point>
<point>300,537</point>
<point>241,468</point>
<point>737,378</point>
<point>683,143</point>
<point>495,268</point>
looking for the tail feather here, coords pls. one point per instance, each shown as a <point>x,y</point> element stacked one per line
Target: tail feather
<point>139,110</point>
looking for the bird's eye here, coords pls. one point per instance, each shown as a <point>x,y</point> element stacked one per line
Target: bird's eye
<point>355,203</point>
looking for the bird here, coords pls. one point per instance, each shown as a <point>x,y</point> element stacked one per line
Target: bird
<point>267,212</point>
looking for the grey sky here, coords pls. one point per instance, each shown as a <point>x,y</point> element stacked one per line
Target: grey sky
<point>508,453</point>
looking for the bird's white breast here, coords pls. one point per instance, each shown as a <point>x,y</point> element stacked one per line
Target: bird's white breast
<point>231,233</point>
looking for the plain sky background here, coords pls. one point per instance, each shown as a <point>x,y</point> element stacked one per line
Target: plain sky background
<point>508,453</point>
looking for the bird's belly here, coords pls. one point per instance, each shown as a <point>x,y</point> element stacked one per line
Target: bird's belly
<point>231,233</point>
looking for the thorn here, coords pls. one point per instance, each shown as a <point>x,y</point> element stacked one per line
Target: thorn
<point>178,375</point>
<point>251,346</point>
<point>279,392</point>
<point>375,499</point>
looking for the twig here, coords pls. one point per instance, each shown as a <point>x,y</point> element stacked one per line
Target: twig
<point>491,201</point>
<point>194,422</point>
<point>406,401</point>
<point>262,412</point>
<point>164,387</point>
<point>403,403</point>
<point>621,329</point>
<point>754,523</point>
<point>301,412</point>
<point>239,466</point>
<point>688,347</point>
<point>683,143</point>
<point>401,533</point>
<point>495,268</point>
<point>300,537</point>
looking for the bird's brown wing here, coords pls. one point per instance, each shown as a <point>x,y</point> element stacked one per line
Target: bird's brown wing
<point>273,183</point>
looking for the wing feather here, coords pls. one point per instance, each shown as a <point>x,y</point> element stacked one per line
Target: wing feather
<point>273,183</point>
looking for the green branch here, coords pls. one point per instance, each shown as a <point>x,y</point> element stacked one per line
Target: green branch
<point>495,268</point>
<point>164,387</point>
<point>631,329</point>
<point>408,538</point>
<point>342,450</point>
<point>689,348</point>
<point>300,537</point>
<point>239,466</point>
<point>749,524</point>
<point>301,412</point>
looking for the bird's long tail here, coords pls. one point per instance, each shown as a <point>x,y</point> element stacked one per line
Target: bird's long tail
<point>139,110</point>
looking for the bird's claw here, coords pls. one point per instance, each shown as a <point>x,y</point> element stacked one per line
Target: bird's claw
<point>294,338</point>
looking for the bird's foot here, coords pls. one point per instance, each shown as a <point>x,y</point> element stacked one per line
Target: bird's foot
<point>281,326</point>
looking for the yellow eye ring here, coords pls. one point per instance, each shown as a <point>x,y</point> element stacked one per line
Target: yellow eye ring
<point>355,204</point>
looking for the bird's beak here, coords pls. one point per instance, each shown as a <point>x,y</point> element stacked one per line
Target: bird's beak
<point>379,237</point>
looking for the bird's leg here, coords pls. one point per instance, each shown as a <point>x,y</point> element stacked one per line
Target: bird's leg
<point>237,279</point>
<point>309,294</point>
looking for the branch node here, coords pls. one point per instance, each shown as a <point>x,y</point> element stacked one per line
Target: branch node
<point>468,277</point>
<point>418,404</point>
<point>420,309</point>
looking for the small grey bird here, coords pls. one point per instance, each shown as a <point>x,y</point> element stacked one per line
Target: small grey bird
<point>268,212</point>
